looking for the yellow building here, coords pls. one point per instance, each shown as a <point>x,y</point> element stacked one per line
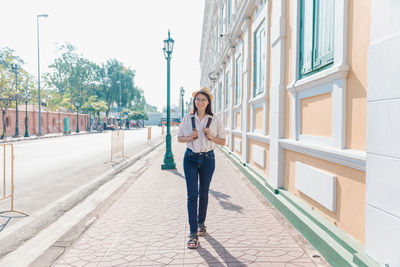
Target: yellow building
<point>290,82</point>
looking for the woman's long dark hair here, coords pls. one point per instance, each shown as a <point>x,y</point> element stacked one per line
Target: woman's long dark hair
<point>208,108</point>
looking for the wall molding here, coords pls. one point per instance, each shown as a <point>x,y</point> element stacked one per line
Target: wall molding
<point>351,158</point>
<point>258,137</point>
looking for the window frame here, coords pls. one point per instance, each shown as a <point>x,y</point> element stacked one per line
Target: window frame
<point>314,41</point>
<point>227,84</point>
<point>220,96</point>
<point>238,79</point>
<point>334,75</point>
<point>259,63</point>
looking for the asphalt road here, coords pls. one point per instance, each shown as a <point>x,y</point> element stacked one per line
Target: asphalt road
<point>47,169</point>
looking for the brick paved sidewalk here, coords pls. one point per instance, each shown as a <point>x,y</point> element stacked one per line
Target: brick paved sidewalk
<point>147,226</point>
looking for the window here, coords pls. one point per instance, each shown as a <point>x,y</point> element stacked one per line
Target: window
<point>316,35</point>
<point>238,80</point>
<point>223,18</point>
<point>220,96</point>
<point>229,11</point>
<point>214,102</point>
<point>259,60</point>
<point>216,41</point>
<point>227,90</point>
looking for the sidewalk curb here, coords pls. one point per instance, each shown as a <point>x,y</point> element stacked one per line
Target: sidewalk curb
<point>35,137</point>
<point>31,226</point>
<point>336,246</point>
<point>54,135</point>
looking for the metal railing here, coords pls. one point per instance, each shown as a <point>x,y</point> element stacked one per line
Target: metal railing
<point>9,154</point>
<point>117,144</point>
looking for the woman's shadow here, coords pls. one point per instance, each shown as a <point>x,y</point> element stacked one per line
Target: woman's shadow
<point>223,253</point>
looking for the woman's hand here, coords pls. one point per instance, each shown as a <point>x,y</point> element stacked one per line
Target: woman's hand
<point>212,138</point>
<point>208,134</point>
<point>187,139</point>
<point>193,135</point>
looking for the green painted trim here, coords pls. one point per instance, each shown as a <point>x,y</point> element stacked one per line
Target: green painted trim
<point>336,246</point>
<point>361,259</point>
<point>346,241</point>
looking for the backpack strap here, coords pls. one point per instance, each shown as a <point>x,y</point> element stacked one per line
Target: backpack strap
<point>193,124</point>
<point>208,122</point>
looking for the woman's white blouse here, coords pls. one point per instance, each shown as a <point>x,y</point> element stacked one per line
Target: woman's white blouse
<point>201,144</point>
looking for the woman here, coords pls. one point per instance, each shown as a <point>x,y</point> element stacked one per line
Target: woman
<point>201,130</point>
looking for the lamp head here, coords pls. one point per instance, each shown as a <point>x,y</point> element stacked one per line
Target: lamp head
<point>168,45</point>
<point>14,67</point>
<point>43,15</point>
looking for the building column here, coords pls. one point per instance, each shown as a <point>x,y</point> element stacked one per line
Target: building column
<point>246,57</point>
<point>277,92</point>
<point>382,224</point>
<point>223,92</point>
<point>231,92</point>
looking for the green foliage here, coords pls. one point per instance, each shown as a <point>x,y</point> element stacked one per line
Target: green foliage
<point>74,78</point>
<point>9,90</point>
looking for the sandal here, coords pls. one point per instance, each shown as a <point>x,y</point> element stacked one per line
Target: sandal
<point>193,241</point>
<point>202,229</point>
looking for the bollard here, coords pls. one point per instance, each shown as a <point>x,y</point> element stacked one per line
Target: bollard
<point>148,133</point>
<point>162,130</point>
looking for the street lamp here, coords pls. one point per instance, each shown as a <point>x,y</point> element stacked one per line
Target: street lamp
<point>119,106</point>
<point>27,95</point>
<point>14,68</point>
<point>37,23</point>
<point>183,105</point>
<point>169,157</point>
<point>77,104</point>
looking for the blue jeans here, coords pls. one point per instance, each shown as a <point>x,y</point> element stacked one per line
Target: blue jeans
<point>199,168</point>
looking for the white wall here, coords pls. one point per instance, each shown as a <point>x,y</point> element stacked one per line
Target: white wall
<point>383,131</point>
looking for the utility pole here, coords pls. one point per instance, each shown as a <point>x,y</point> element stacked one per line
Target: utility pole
<point>14,68</point>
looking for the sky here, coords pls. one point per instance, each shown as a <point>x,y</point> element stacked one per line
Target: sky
<point>131,31</point>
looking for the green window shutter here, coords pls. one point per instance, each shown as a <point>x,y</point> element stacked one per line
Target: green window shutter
<point>263,60</point>
<point>216,40</point>
<point>223,17</point>
<point>227,91</point>
<point>220,96</point>
<point>259,61</point>
<point>256,65</point>
<point>229,11</point>
<point>306,36</point>
<point>238,83</point>
<point>324,33</point>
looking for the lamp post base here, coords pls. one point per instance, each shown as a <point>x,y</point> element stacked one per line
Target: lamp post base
<point>168,164</point>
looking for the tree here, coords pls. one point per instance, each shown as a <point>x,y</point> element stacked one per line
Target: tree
<point>95,106</point>
<point>75,78</point>
<point>72,79</point>
<point>8,90</point>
